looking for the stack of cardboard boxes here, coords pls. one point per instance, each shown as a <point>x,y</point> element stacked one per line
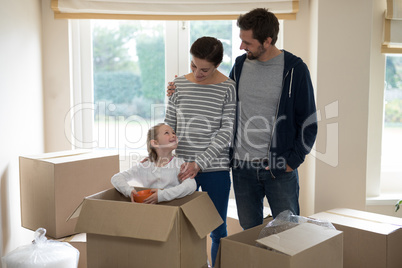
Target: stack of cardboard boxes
<point>370,240</point>
<point>361,239</point>
<point>113,232</point>
<point>52,185</point>
<point>56,188</point>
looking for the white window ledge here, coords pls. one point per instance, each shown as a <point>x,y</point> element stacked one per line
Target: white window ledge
<point>383,200</point>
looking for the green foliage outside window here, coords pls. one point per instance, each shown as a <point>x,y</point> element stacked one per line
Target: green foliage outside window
<point>129,62</point>
<point>151,53</point>
<point>117,86</point>
<point>220,29</point>
<point>393,72</point>
<point>393,111</point>
<point>393,91</point>
<point>132,82</point>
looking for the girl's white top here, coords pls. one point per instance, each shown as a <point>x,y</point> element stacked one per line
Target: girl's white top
<point>150,176</point>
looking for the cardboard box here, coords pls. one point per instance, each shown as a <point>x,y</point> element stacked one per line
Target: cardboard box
<point>233,227</point>
<point>124,234</point>
<point>79,241</point>
<point>52,185</point>
<point>304,246</point>
<point>370,239</point>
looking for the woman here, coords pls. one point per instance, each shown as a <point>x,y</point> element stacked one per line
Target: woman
<point>202,113</point>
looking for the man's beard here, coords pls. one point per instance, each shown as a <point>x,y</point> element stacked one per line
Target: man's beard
<point>256,55</point>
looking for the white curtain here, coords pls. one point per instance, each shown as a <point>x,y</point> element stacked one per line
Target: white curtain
<point>169,9</point>
<point>393,27</point>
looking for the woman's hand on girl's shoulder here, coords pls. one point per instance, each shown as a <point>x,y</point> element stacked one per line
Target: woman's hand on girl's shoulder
<point>188,170</point>
<point>144,160</point>
<point>171,87</point>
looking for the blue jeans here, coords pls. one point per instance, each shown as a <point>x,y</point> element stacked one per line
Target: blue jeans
<point>251,183</point>
<point>217,184</point>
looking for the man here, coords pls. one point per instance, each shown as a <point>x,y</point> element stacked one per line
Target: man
<point>276,121</point>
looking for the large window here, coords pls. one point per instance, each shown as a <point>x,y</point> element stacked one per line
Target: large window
<point>132,63</point>
<point>391,168</point>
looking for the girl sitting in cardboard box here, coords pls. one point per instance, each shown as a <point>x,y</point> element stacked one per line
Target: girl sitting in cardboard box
<point>159,172</point>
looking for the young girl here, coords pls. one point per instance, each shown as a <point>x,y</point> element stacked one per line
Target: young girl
<point>160,172</point>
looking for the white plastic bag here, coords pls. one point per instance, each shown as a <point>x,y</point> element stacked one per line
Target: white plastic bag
<point>42,253</point>
<point>286,220</point>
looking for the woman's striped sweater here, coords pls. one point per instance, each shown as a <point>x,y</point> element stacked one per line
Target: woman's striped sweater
<point>203,117</point>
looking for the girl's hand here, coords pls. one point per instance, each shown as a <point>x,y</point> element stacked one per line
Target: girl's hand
<point>153,199</point>
<point>133,192</point>
<point>188,170</point>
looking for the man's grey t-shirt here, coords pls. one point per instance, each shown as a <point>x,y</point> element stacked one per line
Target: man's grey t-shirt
<point>260,88</point>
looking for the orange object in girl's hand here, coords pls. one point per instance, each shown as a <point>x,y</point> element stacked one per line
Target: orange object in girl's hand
<point>142,195</point>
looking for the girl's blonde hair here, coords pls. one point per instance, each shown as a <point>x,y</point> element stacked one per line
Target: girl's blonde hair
<point>152,135</point>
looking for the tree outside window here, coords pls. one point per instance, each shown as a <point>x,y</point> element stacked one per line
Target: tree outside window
<point>129,76</point>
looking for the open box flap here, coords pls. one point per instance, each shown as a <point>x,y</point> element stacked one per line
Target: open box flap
<point>298,238</point>
<point>76,212</point>
<point>109,194</point>
<point>103,214</point>
<point>58,154</point>
<point>202,214</point>
<point>70,156</point>
<point>367,221</point>
<point>368,216</point>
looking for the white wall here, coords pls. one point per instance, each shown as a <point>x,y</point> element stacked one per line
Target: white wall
<point>56,79</point>
<point>344,49</point>
<point>21,109</point>
<point>343,76</point>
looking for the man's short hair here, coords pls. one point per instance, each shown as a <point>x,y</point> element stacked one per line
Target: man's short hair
<point>262,22</point>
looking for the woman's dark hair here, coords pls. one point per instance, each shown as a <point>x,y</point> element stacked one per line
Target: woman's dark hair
<point>263,23</point>
<point>209,49</point>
